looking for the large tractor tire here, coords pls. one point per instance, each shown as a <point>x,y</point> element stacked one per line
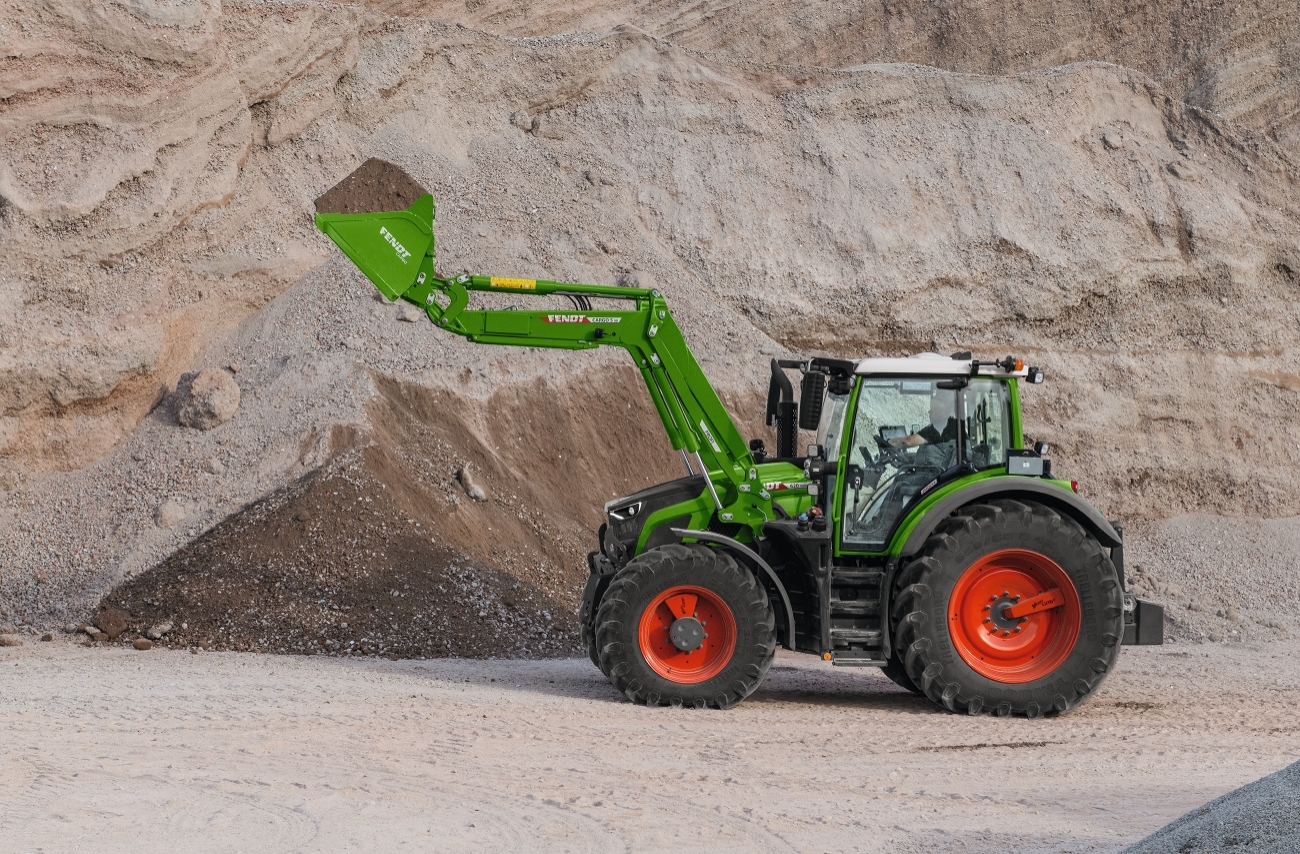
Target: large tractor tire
<point>587,630</point>
<point>685,626</point>
<point>895,670</point>
<point>1010,608</point>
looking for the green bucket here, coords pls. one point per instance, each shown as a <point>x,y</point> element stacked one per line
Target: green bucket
<point>383,220</point>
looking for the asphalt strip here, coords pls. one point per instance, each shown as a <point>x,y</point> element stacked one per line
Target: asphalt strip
<point>1260,817</point>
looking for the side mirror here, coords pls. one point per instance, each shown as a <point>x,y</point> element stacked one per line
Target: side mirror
<point>841,385</point>
<point>812,392</point>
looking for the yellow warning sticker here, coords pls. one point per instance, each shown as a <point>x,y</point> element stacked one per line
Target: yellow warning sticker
<point>517,284</point>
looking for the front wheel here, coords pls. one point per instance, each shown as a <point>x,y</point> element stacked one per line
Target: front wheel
<point>1010,608</point>
<point>685,626</point>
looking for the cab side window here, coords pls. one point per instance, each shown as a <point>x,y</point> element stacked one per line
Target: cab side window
<point>988,423</point>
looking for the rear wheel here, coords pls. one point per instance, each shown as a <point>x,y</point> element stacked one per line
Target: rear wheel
<point>685,626</point>
<point>1010,608</point>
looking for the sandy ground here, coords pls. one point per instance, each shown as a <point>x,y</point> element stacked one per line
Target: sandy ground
<point>171,751</point>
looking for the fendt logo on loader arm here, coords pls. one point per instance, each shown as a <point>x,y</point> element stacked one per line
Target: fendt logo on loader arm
<point>579,318</point>
<point>402,252</point>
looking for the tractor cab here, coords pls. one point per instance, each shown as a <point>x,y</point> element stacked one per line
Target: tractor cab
<point>914,425</point>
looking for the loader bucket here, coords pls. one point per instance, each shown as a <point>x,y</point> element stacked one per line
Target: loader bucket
<point>383,220</point>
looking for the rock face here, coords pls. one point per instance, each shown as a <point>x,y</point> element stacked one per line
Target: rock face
<point>135,227</point>
<point>1116,203</point>
<point>206,399</point>
<point>1237,60</point>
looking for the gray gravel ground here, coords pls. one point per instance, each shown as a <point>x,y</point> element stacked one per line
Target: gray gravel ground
<point>1262,817</point>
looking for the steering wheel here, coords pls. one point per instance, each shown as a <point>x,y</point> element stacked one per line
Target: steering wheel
<point>890,452</point>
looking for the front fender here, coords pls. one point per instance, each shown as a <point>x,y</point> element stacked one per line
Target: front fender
<point>750,559</point>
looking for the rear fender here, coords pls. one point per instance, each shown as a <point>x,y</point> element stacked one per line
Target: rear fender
<point>1059,499</point>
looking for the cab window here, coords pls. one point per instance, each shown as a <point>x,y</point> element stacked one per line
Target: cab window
<point>987,423</point>
<point>904,435</point>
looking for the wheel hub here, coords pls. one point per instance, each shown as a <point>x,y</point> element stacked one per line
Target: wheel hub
<point>996,618</point>
<point>1014,616</point>
<point>687,634</point>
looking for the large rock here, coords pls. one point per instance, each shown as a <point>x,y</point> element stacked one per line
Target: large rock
<point>111,621</point>
<point>171,513</point>
<point>206,399</point>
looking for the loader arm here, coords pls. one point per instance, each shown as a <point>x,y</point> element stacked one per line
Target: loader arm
<point>395,249</point>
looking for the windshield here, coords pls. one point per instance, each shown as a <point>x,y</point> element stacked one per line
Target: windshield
<point>905,433</point>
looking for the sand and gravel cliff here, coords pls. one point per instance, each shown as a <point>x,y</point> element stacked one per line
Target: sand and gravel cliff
<point>1111,193</point>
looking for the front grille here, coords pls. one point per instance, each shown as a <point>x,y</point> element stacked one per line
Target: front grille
<point>726,529</point>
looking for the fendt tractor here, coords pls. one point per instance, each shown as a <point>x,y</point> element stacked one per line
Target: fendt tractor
<point>919,533</point>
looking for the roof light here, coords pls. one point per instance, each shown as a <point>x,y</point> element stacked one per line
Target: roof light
<point>1035,375</point>
<point>1020,364</point>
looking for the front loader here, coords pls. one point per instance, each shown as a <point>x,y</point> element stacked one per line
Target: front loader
<point>918,533</point>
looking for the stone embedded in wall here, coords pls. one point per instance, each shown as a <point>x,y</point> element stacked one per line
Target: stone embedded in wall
<point>206,399</point>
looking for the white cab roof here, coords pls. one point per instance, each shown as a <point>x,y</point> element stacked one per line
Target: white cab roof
<point>929,365</point>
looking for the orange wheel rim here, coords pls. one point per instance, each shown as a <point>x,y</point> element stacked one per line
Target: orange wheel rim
<point>1014,616</point>
<point>693,611</point>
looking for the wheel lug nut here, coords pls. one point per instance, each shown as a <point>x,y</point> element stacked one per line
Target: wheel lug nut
<point>1016,630</point>
<point>988,607</point>
<point>1006,634</point>
<point>988,619</point>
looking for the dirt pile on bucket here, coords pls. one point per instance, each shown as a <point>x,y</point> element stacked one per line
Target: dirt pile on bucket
<point>376,185</point>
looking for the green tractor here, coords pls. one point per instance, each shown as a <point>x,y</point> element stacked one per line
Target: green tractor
<point>918,533</point>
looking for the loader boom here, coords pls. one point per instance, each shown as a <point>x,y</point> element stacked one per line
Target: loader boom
<point>395,249</point>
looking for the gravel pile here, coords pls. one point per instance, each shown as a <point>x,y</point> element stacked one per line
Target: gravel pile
<point>332,566</point>
<point>1262,817</point>
<point>1220,579</point>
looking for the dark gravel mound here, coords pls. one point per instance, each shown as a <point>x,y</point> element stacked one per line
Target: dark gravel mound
<point>374,186</point>
<point>1262,817</point>
<point>331,566</point>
